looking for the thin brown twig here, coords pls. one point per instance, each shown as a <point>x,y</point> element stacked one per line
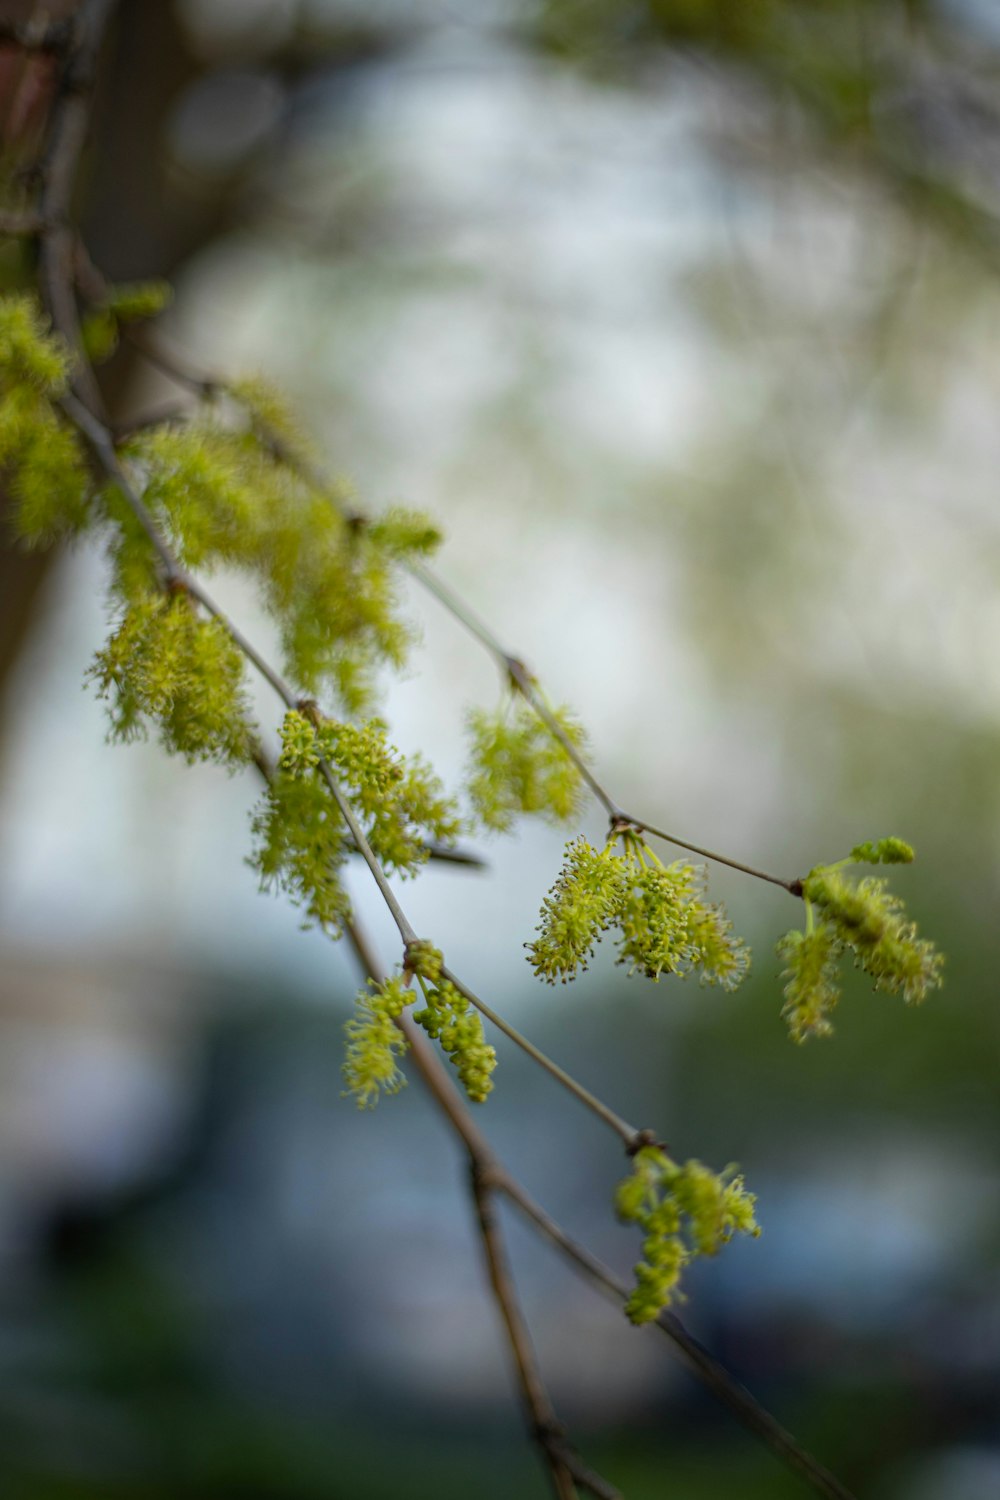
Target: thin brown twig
<point>621,1127</point>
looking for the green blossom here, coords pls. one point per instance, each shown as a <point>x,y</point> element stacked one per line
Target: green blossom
<point>887,851</point>
<point>127,302</point>
<point>684,1211</point>
<point>516,765</point>
<point>400,802</point>
<point>664,925</point>
<point>375,1042</point>
<point>166,664</point>
<point>300,846</point>
<point>234,496</point>
<point>865,917</point>
<point>587,897</point>
<point>29,353</point>
<point>811,971</point>
<point>872,922</point>
<point>450,1019</point>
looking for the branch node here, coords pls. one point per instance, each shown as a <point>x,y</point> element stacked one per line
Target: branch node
<point>641,1140</point>
<point>520,677</point>
<point>310,709</point>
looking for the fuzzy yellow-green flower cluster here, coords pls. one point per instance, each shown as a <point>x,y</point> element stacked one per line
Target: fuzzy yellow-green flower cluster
<point>517,765</point>
<point>664,924</point>
<point>168,664</point>
<point>450,1019</point>
<point>301,840</point>
<point>226,496</point>
<point>40,458</point>
<point>861,916</point>
<point>400,802</point>
<point>375,1042</point>
<point>684,1211</point>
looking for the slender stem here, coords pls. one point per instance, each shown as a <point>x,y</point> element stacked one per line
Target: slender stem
<point>400,918</point>
<point>461,609</point>
<point>708,1369</point>
<point>539,1413</point>
<point>794,886</point>
<point>621,1127</point>
<point>528,688</point>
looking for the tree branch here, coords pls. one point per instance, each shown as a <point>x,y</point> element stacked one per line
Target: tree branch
<point>708,1369</point>
<point>84,408</point>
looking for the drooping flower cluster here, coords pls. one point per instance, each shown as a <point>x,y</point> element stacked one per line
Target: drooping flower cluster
<point>665,927</point>
<point>451,1020</point>
<point>516,765</point>
<point>684,1211</point>
<point>301,838</point>
<point>861,916</point>
<point>168,664</point>
<point>374,1041</point>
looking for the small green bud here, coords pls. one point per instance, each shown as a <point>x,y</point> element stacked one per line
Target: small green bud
<point>887,851</point>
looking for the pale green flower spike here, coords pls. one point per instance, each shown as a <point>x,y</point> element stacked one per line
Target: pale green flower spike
<point>374,1042</point>
<point>664,925</point>
<point>451,1020</point>
<point>684,1211</point>
<point>865,917</point>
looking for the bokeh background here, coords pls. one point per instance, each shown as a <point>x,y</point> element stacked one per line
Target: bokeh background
<point>683,320</point>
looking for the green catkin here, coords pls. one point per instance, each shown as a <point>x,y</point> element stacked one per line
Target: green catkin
<point>40,456</point>
<point>684,1211</point>
<point>866,918</point>
<point>449,1019</point>
<point>167,665</point>
<point>664,925</point>
<point>400,802</point>
<point>812,988</point>
<point>375,1042</point>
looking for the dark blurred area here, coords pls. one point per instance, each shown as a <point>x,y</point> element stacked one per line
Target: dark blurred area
<point>683,319</point>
